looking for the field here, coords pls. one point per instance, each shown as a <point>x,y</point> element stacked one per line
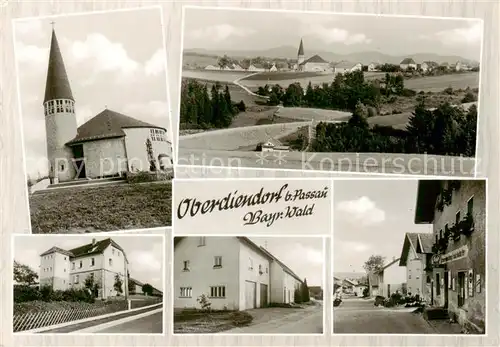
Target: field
<point>214,75</point>
<point>278,76</point>
<point>316,114</point>
<point>438,83</point>
<point>105,208</point>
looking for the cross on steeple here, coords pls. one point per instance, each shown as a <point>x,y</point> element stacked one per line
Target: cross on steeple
<point>52,23</point>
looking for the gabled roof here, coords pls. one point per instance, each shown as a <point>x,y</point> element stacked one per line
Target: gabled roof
<point>301,48</point>
<point>345,65</point>
<point>431,63</point>
<point>389,264</point>
<point>57,83</point>
<point>314,59</point>
<point>108,124</point>
<point>408,61</point>
<point>427,193</point>
<point>410,242</point>
<point>425,242</point>
<point>58,250</point>
<point>136,282</point>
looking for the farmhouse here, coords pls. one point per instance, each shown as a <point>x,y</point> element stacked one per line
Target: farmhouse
<point>457,270</point>
<point>373,66</point>
<point>273,145</point>
<point>345,66</point>
<point>109,144</point>
<point>427,66</point>
<point>408,63</point>
<point>233,272</point>
<point>415,256</point>
<point>391,279</point>
<point>103,261</point>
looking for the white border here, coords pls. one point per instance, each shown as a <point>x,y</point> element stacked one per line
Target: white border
<point>353,14</point>
<point>324,286</point>
<point>19,97</point>
<point>163,271</point>
<point>487,272</point>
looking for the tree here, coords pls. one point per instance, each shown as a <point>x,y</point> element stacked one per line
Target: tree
<point>92,285</point>
<point>149,150</point>
<point>118,286</point>
<point>297,296</point>
<point>23,274</point>
<point>374,263</point>
<point>223,61</point>
<point>147,289</point>
<point>304,291</point>
<point>359,116</point>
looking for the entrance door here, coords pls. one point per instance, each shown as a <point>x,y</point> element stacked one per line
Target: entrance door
<point>250,291</point>
<point>461,289</point>
<point>79,161</point>
<point>263,295</point>
<point>446,285</point>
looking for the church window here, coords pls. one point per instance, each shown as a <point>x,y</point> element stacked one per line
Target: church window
<point>51,107</point>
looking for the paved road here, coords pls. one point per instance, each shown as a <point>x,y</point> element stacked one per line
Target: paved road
<point>358,316</point>
<point>304,321</point>
<point>152,324</point>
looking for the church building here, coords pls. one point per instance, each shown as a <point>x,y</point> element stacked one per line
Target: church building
<point>109,144</point>
<point>314,63</point>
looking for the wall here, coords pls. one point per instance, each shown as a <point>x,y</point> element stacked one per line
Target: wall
<point>277,283</point>
<point>246,254</point>
<point>86,269</point>
<point>54,271</point>
<point>394,275</point>
<point>118,266</point>
<point>135,144</point>
<point>290,284</point>
<point>317,67</point>
<point>60,128</point>
<point>104,157</point>
<point>202,273</point>
<point>414,273</point>
<point>474,307</point>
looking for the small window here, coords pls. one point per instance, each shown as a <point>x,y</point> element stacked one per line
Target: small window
<point>110,261</point>
<point>77,278</point>
<point>186,292</point>
<point>218,292</point>
<point>201,241</point>
<point>112,251</point>
<point>260,269</point>
<point>92,262</point>
<point>64,258</point>
<point>81,264</point>
<point>470,206</point>
<point>62,167</point>
<point>418,277</point>
<point>73,265</point>
<point>250,264</point>
<point>64,270</point>
<point>457,218</point>
<point>217,261</point>
<point>409,276</point>
<point>186,265</point>
<point>267,270</point>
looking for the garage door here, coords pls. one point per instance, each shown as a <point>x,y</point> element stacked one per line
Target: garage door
<point>250,291</point>
<point>263,295</point>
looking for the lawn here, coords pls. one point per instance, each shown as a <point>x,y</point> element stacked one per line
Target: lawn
<point>192,321</point>
<point>103,208</point>
<point>279,76</point>
<point>45,306</point>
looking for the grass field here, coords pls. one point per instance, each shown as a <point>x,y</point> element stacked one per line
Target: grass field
<point>438,83</point>
<point>214,75</point>
<point>104,208</point>
<point>278,76</point>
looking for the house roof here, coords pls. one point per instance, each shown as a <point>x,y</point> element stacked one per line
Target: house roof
<point>301,48</point>
<point>136,282</point>
<point>408,61</point>
<point>58,250</point>
<point>107,124</point>
<point>258,65</point>
<point>350,281</point>
<point>346,65</point>
<point>431,63</point>
<point>425,242</point>
<point>387,265</point>
<point>410,242</point>
<point>57,83</point>
<point>314,59</point>
<point>427,193</point>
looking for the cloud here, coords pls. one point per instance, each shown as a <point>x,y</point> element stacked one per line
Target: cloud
<point>332,35</point>
<point>153,109</point>
<point>83,114</point>
<point>309,254</point>
<point>145,261</point>
<point>156,65</point>
<point>28,257</point>
<point>351,246</point>
<point>363,210</point>
<point>459,36</point>
<point>32,27</point>
<point>219,32</point>
<point>31,55</point>
<point>106,55</point>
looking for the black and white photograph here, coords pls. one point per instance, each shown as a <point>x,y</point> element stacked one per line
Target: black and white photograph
<point>95,119</point>
<point>329,91</point>
<point>248,285</point>
<point>76,284</point>
<point>410,257</point>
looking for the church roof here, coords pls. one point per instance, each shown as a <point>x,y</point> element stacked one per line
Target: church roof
<point>314,59</point>
<point>107,124</point>
<point>301,48</point>
<point>57,85</point>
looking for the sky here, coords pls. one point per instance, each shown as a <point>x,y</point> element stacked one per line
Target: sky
<point>371,217</point>
<point>231,30</point>
<point>114,60</point>
<point>303,255</point>
<point>145,253</point>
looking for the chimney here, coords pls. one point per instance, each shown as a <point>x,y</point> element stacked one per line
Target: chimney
<point>93,242</point>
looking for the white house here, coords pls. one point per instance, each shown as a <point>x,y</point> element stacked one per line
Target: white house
<point>460,66</point>
<point>373,66</point>
<point>256,68</point>
<point>359,288</point>
<point>236,67</point>
<point>415,256</point>
<point>273,68</point>
<point>274,145</point>
<point>103,260</point>
<point>391,278</point>
<point>344,67</point>
<point>408,63</point>
<point>428,66</point>
<point>232,272</point>
<point>108,144</point>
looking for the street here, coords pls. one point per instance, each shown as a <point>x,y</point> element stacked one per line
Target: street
<point>360,316</point>
<point>303,321</point>
<point>152,324</point>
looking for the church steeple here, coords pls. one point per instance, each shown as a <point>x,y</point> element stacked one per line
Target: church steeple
<point>57,85</point>
<point>301,49</point>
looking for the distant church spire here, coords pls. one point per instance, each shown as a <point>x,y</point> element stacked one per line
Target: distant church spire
<point>301,48</point>
<point>57,85</point>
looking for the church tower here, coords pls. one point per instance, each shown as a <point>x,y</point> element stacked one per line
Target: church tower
<point>60,118</point>
<point>300,54</point>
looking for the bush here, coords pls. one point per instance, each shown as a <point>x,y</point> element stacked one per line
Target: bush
<point>241,106</point>
<point>408,93</point>
<point>448,91</point>
<point>366,292</point>
<point>145,176</point>
<point>24,293</point>
<point>379,300</point>
<point>240,318</point>
<point>469,97</point>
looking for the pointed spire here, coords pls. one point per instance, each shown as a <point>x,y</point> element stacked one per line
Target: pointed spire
<point>301,48</point>
<point>57,86</point>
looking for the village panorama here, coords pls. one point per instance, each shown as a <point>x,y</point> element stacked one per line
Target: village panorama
<point>297,98</point>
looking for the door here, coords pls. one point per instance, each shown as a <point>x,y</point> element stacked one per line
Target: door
<point>250,291</point>
<point>461,289</point>
<point>446,284</point>
<point>79,161</point>
<point>263,295</point>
